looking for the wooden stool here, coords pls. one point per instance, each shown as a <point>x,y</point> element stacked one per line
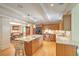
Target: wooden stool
<point>19,48</point>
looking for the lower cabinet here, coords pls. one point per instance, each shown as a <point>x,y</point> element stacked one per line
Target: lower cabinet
<point>33,46</point>
<point>65,50</point>
<point>28,48</point>
<point>50,37</point>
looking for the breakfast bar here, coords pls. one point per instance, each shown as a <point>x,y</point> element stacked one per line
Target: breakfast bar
<point>31,43</point>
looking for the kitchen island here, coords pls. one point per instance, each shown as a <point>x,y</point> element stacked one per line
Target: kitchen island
<point>32,43</point>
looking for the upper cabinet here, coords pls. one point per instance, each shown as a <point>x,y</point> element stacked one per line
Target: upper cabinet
<point>51,26</point>
<point>61,25</point>
<point>67,22</point>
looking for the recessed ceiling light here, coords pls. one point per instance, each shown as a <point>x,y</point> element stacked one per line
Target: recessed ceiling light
<point>51,5</point>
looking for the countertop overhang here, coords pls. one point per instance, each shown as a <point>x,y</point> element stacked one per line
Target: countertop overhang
<point>29,38</point>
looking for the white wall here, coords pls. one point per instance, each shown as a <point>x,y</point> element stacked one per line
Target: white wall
<point>4,32</point>
<point>0,31</point>
<point>75,24</point>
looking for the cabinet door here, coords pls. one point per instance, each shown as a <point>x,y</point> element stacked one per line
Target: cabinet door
<point>59,49</point>
<point>27,30</point>
<point>65,50</point>
<point>67,22</point>
<point>52,37</point>
<point>46,37</point>
<point>28,48</point>
<point>35,45</point>
<point>40,41</point>
<point>69,50</point>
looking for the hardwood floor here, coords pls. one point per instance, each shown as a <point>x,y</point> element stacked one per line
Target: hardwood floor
<point>48,49</point>
<point>8,52</point>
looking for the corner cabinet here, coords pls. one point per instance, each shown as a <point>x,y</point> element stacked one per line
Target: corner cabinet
<point>65,50</point>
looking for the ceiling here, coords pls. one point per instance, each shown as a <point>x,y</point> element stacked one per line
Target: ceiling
<point>36,13</point>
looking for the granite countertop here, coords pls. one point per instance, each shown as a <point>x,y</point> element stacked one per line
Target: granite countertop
<point>29,38</point>
<point>65,40</point>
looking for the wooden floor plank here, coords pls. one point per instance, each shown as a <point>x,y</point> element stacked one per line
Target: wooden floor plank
<point>48,49</point>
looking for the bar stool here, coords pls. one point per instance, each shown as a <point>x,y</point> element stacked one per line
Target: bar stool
<point>19,48</point>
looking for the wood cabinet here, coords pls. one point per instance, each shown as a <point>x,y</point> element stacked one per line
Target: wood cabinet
<point>49,37</point>
<point>51,26</point>
<point>46,37</point>
<point>61,25</point>
<point>52,37</point>
<point>27,30</point>
<point>36,44</point>
<point>59,49</point>
<point>33,46</point>
<point>65,50</point>
<point>67,22</point>
<point>28,48</point>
